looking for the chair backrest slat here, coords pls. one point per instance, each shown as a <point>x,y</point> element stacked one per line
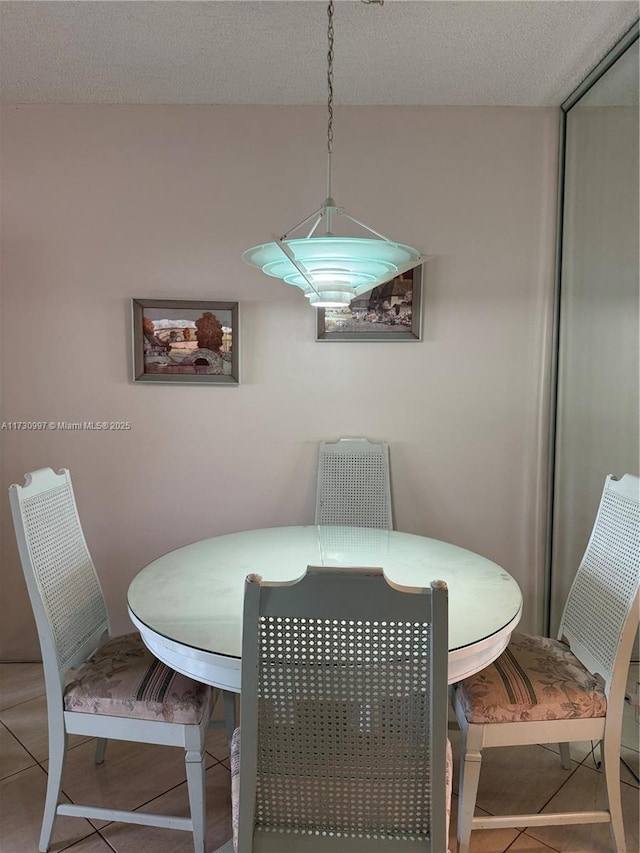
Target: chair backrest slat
<point>344,710</point>
<point>604,593</point>
<point>63,585</point>
<point>354,484</point>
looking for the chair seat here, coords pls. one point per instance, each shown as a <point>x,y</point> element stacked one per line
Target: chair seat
<point>534,679</point>
<point>235,783</point>
<point>123,679</point>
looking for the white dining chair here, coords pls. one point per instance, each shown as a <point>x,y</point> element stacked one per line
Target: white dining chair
<point>353,485</point>
<point>342,746</point>
<point>118,689</point>
<point>542,690</point>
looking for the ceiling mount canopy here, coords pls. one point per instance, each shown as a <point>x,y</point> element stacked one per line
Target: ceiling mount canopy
<point>332,270</point>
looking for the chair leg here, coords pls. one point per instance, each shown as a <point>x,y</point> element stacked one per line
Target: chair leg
<point>470,761</point>
<point>196,788</point>
<point>101,746</point>
<point>565,755</point>
<point>611,763</point>
<point>57,755</point>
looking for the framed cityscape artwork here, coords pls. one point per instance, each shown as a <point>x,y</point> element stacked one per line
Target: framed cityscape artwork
<point>392,311</point>
<point>185,341</point>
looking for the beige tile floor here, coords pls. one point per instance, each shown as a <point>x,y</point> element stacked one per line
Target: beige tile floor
<point>133,776</point>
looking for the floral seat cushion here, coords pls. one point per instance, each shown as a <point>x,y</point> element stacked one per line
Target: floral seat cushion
<point>235,783</point>
<point>535,678</point>
<point>123,679</point>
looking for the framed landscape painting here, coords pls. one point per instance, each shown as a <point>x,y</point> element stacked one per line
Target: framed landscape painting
<point>185,341</point>
<point>392,311</point>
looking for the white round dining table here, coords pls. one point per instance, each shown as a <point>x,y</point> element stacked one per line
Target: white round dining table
<point>188,604</point>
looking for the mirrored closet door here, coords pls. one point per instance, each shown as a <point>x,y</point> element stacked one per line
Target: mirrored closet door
<point>597,428</point>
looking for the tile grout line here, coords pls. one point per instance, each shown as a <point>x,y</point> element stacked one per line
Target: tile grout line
<point>562,784</point>
<point>525,834</point>
<point>106,840</point>
<point>597,769</point>
<point>21,702</point>
<point>28,751</point>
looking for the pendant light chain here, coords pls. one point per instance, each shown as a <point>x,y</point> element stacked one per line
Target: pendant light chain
<point>329,201</point>
<point>330,35</point>
<point>330,80</point>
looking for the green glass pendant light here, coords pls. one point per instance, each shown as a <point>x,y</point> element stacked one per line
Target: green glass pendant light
<point>329,269</point>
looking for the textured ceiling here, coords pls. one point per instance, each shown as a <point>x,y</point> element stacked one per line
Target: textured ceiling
<point>509,52</point>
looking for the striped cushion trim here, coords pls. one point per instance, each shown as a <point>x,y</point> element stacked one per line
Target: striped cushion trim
<point>123,679</point>
<point>155,683</point>
<point>515,680</point>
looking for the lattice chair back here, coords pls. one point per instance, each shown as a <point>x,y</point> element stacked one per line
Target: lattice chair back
<point>600,613</point>
<point>343,721</point>
<point>354,484</point>
<point>67,601</point>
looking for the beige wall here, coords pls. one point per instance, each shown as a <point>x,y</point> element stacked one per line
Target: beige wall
<point>101,204</point>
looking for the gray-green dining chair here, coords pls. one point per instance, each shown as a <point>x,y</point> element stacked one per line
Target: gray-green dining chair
<point>117,689</point>
<point>342,746</point>
<point>543,690</point>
